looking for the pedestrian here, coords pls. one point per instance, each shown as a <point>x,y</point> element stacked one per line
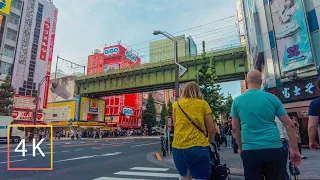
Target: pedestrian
<point>194,131</point>
<point>297,127</point>
<point>314,123</point>
<point>285,143</point>
<point>228,130</point>
<point>258,138</point>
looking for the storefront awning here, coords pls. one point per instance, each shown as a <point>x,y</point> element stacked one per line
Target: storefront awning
<point>301,106</point>
<point>28,122</point>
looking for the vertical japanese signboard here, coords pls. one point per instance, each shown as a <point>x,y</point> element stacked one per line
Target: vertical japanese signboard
<point>293,43</point>
<point>45,39</point>
<point>53,34</point>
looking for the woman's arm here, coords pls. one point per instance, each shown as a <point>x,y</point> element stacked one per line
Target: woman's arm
<point>211,127</point>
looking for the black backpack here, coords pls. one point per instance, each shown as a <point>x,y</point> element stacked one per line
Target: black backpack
<point>218,171</point>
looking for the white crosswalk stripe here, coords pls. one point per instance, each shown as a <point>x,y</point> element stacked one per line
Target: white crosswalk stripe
<point>137,173</point>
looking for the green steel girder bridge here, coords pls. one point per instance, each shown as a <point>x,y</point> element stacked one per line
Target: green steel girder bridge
<point>230,65</point>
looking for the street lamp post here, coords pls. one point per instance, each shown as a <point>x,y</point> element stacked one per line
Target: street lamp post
<point>34,116</point>
<point>176,71</point>
<point>175,41</point>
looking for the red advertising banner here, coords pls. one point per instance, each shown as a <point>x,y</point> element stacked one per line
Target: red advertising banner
<point>46,88</point>
<point>45,39</point>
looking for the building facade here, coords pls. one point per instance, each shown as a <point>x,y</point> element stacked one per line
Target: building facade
<point>9,31</point>
<point>283,42</point>
<point>28,45</point>
<point>121,111</point>
<point>163,49</point>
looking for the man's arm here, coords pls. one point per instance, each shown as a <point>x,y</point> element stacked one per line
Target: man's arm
<point>236,132</point>
<point>312,129</point>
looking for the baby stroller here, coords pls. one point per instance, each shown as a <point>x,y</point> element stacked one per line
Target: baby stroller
<point>218,171</point>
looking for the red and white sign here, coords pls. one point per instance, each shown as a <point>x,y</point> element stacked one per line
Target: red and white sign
<point>45,39</point>
<point>26,116</point>
<point>24,103</point>
<point>53,34</point>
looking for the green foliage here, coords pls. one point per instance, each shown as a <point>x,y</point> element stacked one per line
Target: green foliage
<point>169,108</point>
<point>6,96</point>
<point>149,115</point>
<point>163,114</point>
<point>227,105</point>
<point>207,80</point>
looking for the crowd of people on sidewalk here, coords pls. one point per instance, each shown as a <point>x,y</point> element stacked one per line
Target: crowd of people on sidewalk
<point>259,129</point>
<point>78,133</point>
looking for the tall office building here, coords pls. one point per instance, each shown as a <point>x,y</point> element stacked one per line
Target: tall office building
<point>9,28</point>
<point>28,45</point>
<point>163,49</point>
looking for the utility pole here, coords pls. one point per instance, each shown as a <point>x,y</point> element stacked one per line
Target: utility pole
<point>35,113</point>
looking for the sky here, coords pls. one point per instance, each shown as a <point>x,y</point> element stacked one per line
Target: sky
<point>83,27</point>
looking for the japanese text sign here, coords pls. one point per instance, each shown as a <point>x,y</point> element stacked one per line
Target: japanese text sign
<point>45,39</point>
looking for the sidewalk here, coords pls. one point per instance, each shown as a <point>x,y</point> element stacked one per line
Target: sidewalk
<point>130,137</point>
<point>310,167</point>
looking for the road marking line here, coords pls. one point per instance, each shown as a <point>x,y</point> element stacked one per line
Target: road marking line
<point>67,143</point>
<point>114,178</point>
<point>87,157</point>
<point>145,144</point>
<point>95,141</point>
<point>78,149</point>
<point>65,151</point>
<point>77,158</point>
<point>150,169</point>
<point>13,161</point>
<point>111,154</point>
<point>30,154</point>
<point>149,174</point>
<point>82,142</point>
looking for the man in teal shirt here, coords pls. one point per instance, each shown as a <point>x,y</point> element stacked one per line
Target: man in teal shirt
<point>257,135</point>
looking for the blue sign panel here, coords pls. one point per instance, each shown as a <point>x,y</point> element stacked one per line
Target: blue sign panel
<point>127,111</point>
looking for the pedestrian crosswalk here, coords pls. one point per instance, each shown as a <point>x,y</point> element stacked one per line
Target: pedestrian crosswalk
<point>142,173</point>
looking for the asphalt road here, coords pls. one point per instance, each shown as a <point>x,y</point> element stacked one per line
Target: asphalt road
<point>106,159</point>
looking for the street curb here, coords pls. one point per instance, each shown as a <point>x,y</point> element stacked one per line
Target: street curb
<point>151,158</point>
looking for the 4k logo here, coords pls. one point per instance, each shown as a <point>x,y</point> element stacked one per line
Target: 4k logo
<point>16,133</point>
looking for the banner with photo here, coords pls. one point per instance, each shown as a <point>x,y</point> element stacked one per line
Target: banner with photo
<point>293,43</point>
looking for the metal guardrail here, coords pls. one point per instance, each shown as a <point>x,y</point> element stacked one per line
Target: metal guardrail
<point>215,52</point>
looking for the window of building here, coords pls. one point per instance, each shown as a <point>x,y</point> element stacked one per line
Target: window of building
<point>312,21</point>
<point>12,34</point>
<point>16,4</point>
<point>4,67</point>
<point>265,2</point>
<point>14,18</point>
<point>93,71</point>
<point>315,39</point>
<point>8,50</point>
<point>309,5</point>
<point>94,64</point>
<point>271,39</point>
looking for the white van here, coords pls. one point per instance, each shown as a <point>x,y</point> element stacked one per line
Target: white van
<point>16,134</point>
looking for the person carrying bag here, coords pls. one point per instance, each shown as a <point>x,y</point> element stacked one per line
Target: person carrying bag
<point>192,138</point>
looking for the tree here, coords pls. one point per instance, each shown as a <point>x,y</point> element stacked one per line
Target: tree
<point>169,108</point>
<point>164,113</point>
<point>6,96</point>
<point>228,104</point>
<point>207,80</point>
<point>149,115</point>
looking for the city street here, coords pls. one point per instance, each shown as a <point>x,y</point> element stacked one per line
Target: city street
<point>106,159</point>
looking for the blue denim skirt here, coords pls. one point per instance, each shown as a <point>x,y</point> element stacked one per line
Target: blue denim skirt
<point>196,159</point>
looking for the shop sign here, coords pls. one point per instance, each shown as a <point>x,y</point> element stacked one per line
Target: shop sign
<point>93,105</point>
<point>45,39</point>
<point>131,56</point>
<point>127,111</point>
<point>60,123</point>
<point>110,51</point>
<point>16,115</point>
<point>296,91</point>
